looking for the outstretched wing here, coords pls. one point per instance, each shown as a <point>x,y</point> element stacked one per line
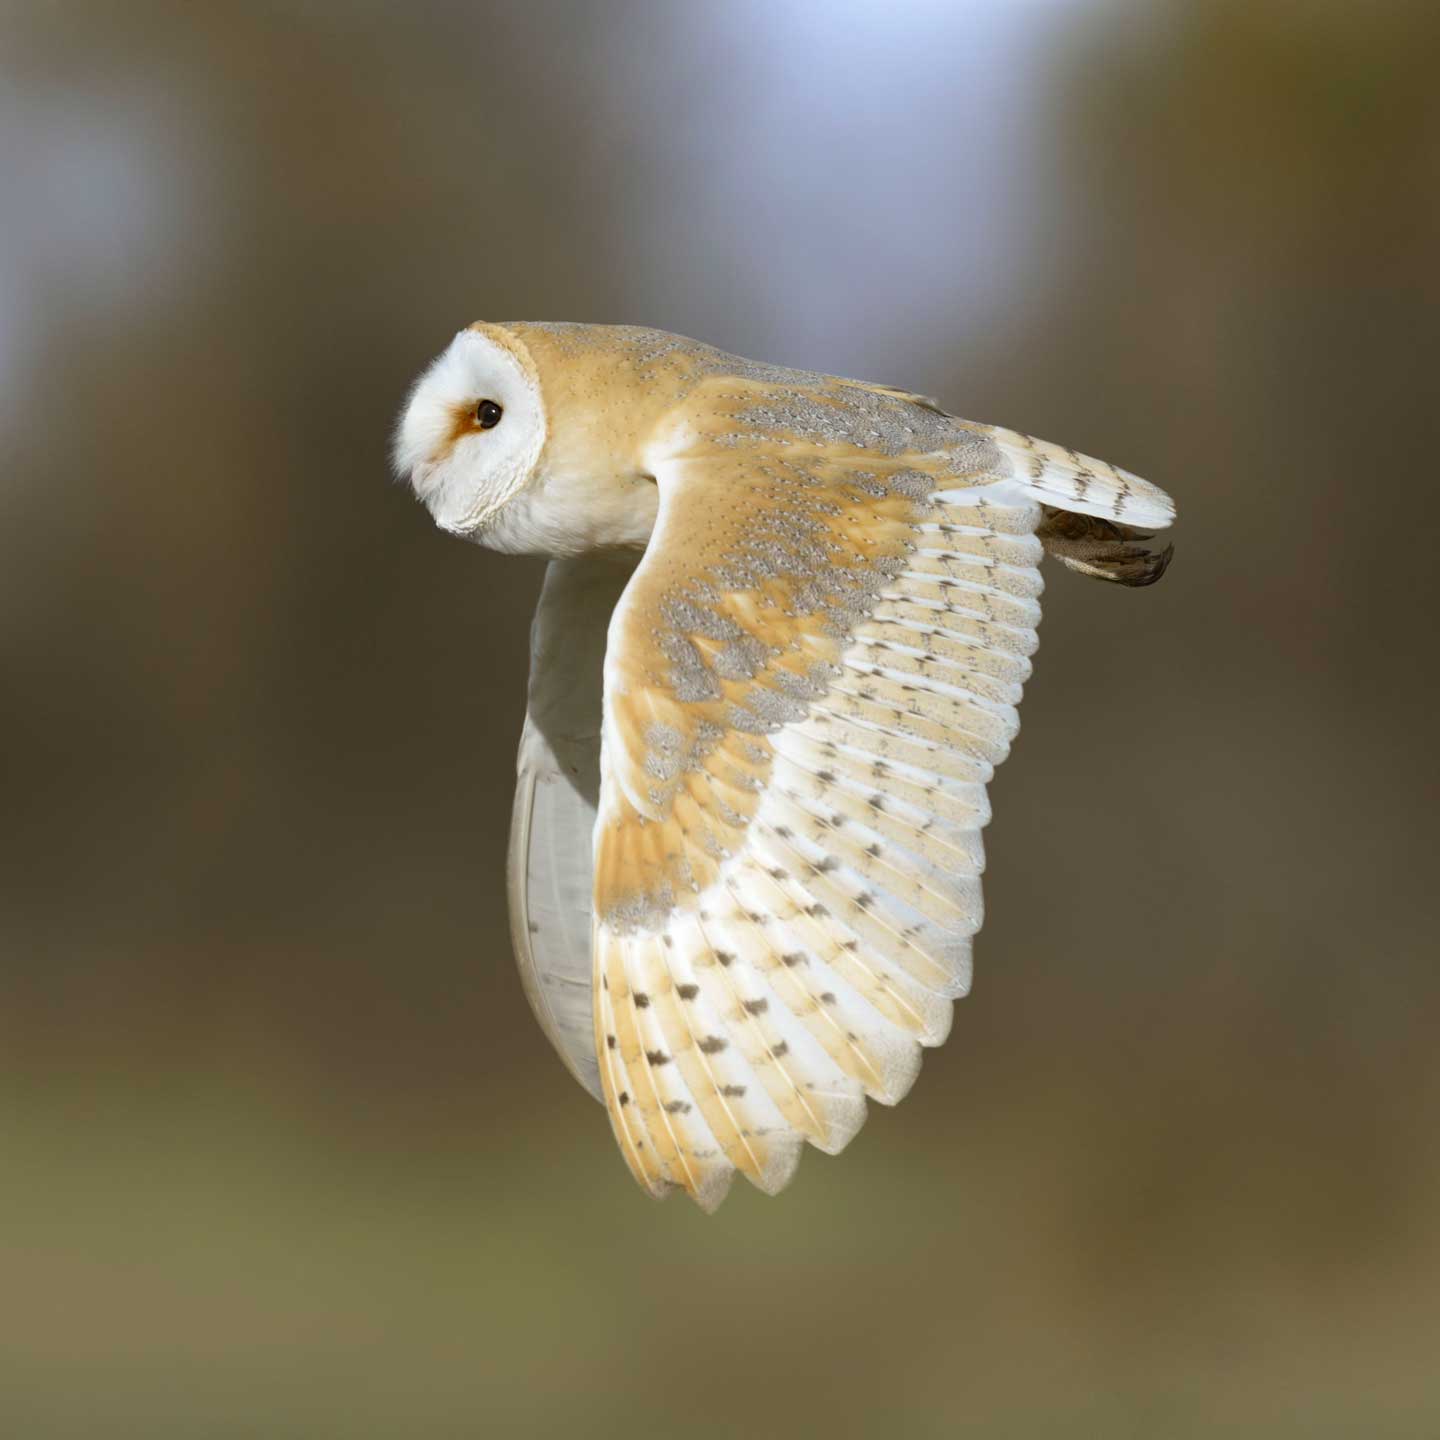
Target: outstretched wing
<point>808,684</point>
<point>557,787</point>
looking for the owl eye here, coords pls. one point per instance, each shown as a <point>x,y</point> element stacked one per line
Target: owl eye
<point>487,414</point>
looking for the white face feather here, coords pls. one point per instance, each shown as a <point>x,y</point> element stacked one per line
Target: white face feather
<point>462,472</point>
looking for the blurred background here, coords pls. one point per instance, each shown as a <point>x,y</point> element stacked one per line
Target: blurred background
<point>283,1152</point>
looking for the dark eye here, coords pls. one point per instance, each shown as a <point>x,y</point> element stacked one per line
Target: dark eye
<point>487,414</point>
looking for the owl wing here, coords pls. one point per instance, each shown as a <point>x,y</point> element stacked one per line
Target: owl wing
<point>557,787</point>
<point>808,683</point>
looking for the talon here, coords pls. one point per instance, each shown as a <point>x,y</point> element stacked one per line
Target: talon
<point>1102,549</point>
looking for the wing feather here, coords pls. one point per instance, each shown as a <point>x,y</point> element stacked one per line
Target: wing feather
<point>808,683</point>
<point>556,793</point>
<point>549,884</point>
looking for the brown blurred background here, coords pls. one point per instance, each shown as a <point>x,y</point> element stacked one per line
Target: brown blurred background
<point>284,1154</point>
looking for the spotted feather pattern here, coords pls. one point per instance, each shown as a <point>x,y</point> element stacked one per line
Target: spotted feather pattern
<point>809,682</point>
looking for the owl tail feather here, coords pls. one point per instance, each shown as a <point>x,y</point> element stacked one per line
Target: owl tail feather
<point>1081,484</point>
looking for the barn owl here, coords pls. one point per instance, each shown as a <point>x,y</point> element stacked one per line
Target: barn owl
<point>776,660</point>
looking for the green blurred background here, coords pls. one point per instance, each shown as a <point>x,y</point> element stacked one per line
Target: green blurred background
<point>283,1152</point>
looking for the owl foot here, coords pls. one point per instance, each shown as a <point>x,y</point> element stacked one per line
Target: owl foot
<point>1101,548</point>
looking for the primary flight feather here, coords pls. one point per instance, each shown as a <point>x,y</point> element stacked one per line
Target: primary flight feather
<point>776,661</point>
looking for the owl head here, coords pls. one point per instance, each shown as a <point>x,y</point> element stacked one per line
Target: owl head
<point>472,429</point>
